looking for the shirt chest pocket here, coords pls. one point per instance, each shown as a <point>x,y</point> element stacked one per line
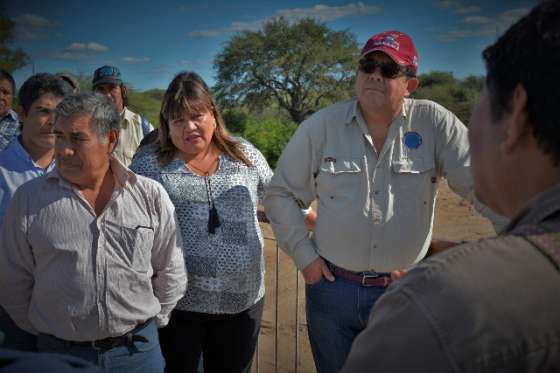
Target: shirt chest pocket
<point>416,175</point>
<point>340,179</point>
<point>134,246</point>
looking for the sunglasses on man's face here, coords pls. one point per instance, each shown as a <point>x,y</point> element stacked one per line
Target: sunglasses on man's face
<point>388,69</point>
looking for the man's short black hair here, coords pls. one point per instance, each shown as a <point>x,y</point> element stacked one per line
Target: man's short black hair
<point>39,84</point>
<point>4,75</point>
<point>528,54</point>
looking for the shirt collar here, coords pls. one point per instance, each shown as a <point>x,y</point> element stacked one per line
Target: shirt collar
<point>537,209</point>
<point>122,174</point>
<point>354,111</point>
<point>20,152</point>
<point>126,117</point>
<point>12,114</point>
<point>126,114</point>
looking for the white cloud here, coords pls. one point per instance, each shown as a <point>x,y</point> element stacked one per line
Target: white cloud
<point>90,47</point>
<point>68,55</point>
<point>79,51</point>
<point>321,13</point>
<point>31,26</point>
<point>96,47</point>
<point>135,60</point>
<point>35,21</point>
<point>325,13</point>
<point>483,25</point>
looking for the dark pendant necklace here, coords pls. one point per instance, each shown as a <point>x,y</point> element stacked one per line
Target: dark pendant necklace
<point>213,217</point>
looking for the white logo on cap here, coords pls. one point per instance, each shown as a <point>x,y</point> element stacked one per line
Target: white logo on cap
<point>388,41</point>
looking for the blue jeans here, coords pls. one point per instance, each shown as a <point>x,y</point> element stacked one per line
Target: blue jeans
<point>15,338</point>
<point>143,357</point>
<point>13,361</point>
<point>336,312</point>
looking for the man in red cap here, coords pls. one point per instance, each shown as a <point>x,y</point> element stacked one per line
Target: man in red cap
<point>373,164</point>
<point>491,305</point>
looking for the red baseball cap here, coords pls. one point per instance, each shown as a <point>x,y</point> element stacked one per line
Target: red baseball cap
<point>396,45</point>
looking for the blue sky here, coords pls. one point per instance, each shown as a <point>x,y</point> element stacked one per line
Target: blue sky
<point>153,40</point>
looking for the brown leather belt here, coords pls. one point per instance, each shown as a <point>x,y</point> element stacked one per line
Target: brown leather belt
<point>362,278</point>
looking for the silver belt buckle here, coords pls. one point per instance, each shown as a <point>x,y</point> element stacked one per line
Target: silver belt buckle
<point>366,277</point>
<point>94,346</point>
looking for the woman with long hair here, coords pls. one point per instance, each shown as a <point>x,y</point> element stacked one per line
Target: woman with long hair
<point>215,182</point>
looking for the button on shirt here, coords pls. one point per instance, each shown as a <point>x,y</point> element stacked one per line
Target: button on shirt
<point>9,129</point>
<point>16,168</point>
<point>375,207</point>
<point>66,272</point>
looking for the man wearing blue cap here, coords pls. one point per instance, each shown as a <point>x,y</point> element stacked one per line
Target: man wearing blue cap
<point>107,80</point>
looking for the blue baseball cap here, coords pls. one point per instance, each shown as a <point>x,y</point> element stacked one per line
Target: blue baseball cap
<point>106,75</point>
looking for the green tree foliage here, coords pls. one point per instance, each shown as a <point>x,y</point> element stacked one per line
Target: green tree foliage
<point>84,81</point>
<point>147,103</point>
<point>10,58</point>
<point>301,66</point>
<point>269,134</point>
<point>459,96</point>
<point>235,120</point>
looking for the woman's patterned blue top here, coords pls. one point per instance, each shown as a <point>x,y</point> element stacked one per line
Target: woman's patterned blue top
<point>225,269</point>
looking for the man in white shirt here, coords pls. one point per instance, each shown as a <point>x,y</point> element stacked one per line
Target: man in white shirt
<point>107,81</point>
<point>90,258</point>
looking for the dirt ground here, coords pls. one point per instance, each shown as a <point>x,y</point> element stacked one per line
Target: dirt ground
<point>288,351</point>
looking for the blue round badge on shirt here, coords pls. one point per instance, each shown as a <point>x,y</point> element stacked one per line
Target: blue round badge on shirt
<point>412,140</point>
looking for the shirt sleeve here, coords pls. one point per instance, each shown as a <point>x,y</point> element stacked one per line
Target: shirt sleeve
<point>170,277</point>
<point>146,126</point>
<point>16,264</point>
<point>399,338</point>
<point>263,170</point>
<point>453,159</point>
<point>292,188</point>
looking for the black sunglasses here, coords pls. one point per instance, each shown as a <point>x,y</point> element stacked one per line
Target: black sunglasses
<point>388,69</point>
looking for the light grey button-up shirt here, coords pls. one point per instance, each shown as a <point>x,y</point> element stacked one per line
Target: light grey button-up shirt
<point>375,207</point>
<point>66,272</point>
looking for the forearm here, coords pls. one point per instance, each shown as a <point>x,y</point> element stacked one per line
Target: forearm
<point>169,286</point>
<point>289,228</point>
